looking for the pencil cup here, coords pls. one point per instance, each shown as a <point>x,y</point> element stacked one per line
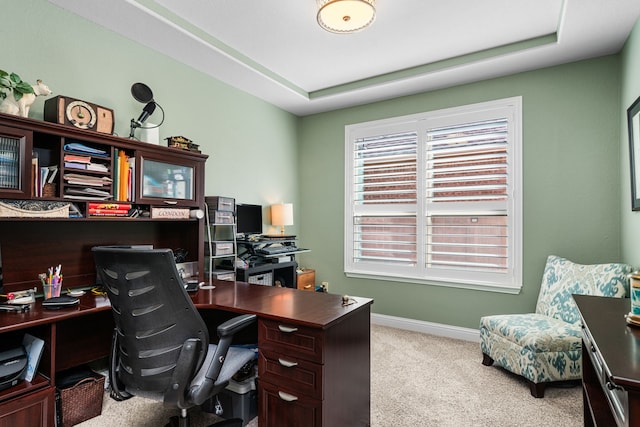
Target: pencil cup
<point>51,291</point>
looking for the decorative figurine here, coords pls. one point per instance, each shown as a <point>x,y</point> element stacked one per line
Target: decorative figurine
<point>17,96</point>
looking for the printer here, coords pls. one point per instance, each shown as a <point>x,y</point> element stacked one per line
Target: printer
<point>13,365</point>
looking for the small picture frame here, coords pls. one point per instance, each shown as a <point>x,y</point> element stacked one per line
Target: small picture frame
<point>633,122</point>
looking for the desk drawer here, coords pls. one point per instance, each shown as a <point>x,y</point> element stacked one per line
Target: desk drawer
<point>282,407</point>
<point>307,280</point>
<point>298,374</point>
<point>617,397</point>
<point>290,339</point>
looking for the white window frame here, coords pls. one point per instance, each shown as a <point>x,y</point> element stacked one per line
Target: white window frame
<point>508,282</point>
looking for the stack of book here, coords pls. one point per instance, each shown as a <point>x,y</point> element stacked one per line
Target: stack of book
<point>86,172</point>
<point>75,161</point>
<point>87,187</point>
<point>108,209</point>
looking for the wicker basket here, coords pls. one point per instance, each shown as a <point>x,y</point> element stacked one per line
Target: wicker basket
<point>82,401</point>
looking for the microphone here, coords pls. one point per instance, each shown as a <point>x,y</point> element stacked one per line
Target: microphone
<point>146,112</point>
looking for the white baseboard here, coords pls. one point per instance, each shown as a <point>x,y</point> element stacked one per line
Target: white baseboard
<point>439,329</point>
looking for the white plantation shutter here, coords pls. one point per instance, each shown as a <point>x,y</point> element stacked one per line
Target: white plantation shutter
<point>467,196</point>
<point>385,197</point>
<point>432,197</point>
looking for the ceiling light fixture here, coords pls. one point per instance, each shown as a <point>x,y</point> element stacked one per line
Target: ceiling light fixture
<point>346,16</point>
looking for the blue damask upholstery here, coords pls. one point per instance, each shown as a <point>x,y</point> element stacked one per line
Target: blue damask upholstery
<point>546,346</point>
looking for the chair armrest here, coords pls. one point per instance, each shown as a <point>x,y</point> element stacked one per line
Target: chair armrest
<point>236,324</point>
<point>225,332</point>
<point>183,373</point>
<point>198,393</point>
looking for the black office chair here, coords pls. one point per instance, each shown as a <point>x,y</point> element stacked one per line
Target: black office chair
<point>160,347</point>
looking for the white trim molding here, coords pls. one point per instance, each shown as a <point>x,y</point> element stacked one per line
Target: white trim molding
<point>449,331</point>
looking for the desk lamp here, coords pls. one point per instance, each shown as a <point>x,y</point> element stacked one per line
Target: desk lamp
<point>282,214</point>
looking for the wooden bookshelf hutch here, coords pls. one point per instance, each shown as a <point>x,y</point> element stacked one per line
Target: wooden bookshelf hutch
<point>28,246</point>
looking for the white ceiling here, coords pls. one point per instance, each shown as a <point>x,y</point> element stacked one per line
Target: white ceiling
<point>275,50</point>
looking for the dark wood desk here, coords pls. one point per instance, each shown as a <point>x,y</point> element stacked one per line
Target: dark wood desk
<point>610,362</point>
<point>314,353</point>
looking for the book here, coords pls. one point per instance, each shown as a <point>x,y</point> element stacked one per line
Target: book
<point>53,171</point>
<point>73,165</point>
<point>97,167</point>
<point>97,211</point>
<point>34,347</point>
<point>108,212</point>
<point>77,159</point>
<point>123,176</point>
<point>110,205</point>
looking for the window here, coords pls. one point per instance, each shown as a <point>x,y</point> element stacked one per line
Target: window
<point>436,197</point>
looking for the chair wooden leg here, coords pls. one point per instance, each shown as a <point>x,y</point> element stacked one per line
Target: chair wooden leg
<point>486,360</point>
<point>537,389</point>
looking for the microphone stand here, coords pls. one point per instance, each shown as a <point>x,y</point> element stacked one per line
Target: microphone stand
<point>134,125</point>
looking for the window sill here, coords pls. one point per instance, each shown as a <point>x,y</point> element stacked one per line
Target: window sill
<point>478,286</point>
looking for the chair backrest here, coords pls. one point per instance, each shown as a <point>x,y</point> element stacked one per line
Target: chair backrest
<point>153,314</point>
<point>562,278</point>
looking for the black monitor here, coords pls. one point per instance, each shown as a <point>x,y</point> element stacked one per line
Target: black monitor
<point>248,219</point>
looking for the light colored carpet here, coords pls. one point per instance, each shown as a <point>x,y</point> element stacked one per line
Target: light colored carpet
<point>425,380</point>
<point>417,380</point>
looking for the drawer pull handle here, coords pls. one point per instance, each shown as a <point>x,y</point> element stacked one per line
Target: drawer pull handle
<point>287,329</point>
<point>287,397</point>
<point>287,364</point>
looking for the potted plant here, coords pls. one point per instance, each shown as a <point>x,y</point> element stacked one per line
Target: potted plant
<point>11,82</point>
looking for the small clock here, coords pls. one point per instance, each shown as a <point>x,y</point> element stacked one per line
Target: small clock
<point>79,114</point>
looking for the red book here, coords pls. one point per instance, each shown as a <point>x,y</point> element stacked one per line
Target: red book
<point>118,212</point>
<point>109,205</point>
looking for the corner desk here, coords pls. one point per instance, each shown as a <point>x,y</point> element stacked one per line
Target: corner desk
<point>314,352</point>
<point>610,362</point>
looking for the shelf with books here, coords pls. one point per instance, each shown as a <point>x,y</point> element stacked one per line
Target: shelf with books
<point>86,171</point>
<point>124,166</point>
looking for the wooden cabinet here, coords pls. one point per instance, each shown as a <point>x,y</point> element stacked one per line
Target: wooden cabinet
<point>68,241</point>
<point>166,181</point>
<point>310,376</point>
<point>159,176</point>
<point>307,280</point>
<point>33,409</point>
<point>610,371</point>
<point>290,367</point>
<point>29,149</point>
<point>15,155</point>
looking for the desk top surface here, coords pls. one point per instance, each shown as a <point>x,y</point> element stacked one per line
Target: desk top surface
<point>312,309</point>
<point>617,342</point>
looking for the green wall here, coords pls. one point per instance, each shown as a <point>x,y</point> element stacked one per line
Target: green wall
<point>571,185</point>
<point>240,133</point>
<point>575,190</point>
<point>630,84</point>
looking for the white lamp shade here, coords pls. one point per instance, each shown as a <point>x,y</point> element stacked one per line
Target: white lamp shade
<point>282,214</point>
